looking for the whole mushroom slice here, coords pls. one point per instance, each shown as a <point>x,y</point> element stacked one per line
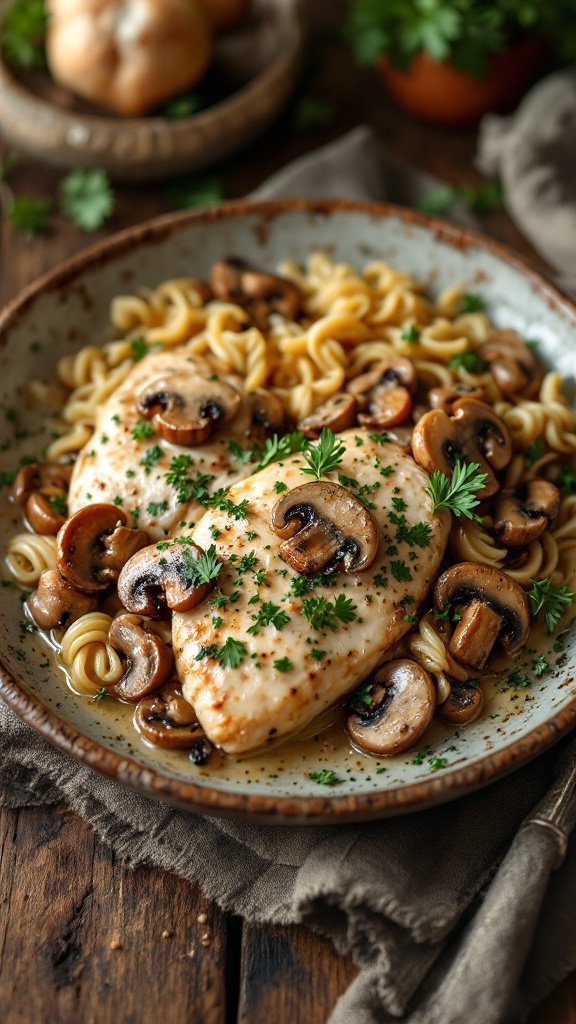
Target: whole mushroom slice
<point>156,578</point>
<point>384,393</point>
<point>94,544</point>
<point>338,413</point>
<point>234,280</point>
<point>445,398</point>
<point>167,720</point>
<point>493,607</point>
<point>474,431</point>
<point>462,706</point>
<point>403,698</point>
<point>512,364</point>
<point>522,516</point>
<point>57,604</point>
<point>150,662</point>
<point>323,525</point>
<point>186,409</point>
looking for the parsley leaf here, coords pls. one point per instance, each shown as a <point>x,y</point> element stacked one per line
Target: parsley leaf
<point>534,451</point>
<point>238,453</point>
<point>469,361</point>
<point>459,493</point>
<point>326,777</point>
<point>325,455</point>
<point>277,448</point>
<point>400,571</point>
<point>58,503</point>
<point>411,334</point>
<point>362,697</point>
<point>29,215</point>
<point>539,666</point>
<point>182,106</point>
<point>567,479</point>
<point>150,458</point>
<point>470,303</point>
<point>268,614</point>
<point>139,348</point>
<point>102,692</point>
<point>231,653</point>
<point>86,197</point>
<point>283,665</point>
<point>200,569</point>
<point>322,614</point>
<point>550,600</point>
<point>141,430</point>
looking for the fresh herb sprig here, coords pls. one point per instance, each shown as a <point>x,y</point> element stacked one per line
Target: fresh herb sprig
<point>86,197</point>
<point>201,569</point>
<point>458,493</point>
<point>552,601</point>
<point>322,458</point>
<point>323,614</point>
<point>23,33</point>
<point>277,448</point>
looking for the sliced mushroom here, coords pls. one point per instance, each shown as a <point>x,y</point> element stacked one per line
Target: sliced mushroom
<point>445,398</point>
<point>50,478</point>
<point>184,409</point>
<point>512,364</point>
<point>158,577</point>
<point>167,720</point>
<point>494,608</point>
<point>402,707</point>
<point>338,413</point>
<point>43,514</point>
<point>94,544</point>
<point>268,412</point>
<point>521,516</point>
<point>462,706</point>
<point>473,431</point>
<point>57,603</point>
<point>233,280</point>
<point>385,393</point>
<point>150,662</point>
<point>323,525</point>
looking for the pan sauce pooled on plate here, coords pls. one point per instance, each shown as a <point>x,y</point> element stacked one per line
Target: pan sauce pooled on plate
<point>300,497</point>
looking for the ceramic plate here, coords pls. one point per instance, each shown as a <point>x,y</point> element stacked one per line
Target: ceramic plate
<point>69,308</point>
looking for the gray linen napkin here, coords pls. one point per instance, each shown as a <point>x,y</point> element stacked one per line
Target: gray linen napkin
<point>533,152</point>
<point>443,909</point>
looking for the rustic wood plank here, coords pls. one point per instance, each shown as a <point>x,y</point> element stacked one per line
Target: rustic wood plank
<point>290,976</point>
<point>86,938</point>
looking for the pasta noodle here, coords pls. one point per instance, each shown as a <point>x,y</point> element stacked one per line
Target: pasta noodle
<point>90,660</point>
<point>29,555</point>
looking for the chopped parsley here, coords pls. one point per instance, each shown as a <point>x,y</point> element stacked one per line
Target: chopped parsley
<point>142,430</point>
<point>269,614</point>
<point>539,666</point>
<point>567,479</point>
<point>230,655</point>
<point>57,503</point>
<point>362,697</point>
<point>150,458</point>
<point>139,348</point>
<point>283,665</point>
<point>317,655</point>
<point>322,614</point>
<point>326,777</point>
<point>277,448</point>
<point>280,486</point>
<point>470,303</point>
<point>534,451</point>
<point>411,334</point>
<point>155,508</point>
<point>238,453</point>
<point>469,361</point>
<point>400,571</point>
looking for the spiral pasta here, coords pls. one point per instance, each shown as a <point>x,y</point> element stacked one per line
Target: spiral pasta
<point>88,657</point>
<point>29,555</point>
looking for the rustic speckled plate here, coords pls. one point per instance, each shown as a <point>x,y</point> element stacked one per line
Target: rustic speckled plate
<point>69,308</point>
<point>260,62</point>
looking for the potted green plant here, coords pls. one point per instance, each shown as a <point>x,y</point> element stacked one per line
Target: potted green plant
<point>450,61</point>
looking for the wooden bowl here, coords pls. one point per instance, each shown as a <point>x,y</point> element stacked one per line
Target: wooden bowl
<point>68,308</point>
<point>263,58</point>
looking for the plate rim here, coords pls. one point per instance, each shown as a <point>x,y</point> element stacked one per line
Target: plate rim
<point>325,809</point>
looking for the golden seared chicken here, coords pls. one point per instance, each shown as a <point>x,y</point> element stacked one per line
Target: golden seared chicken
<point>319,579</point>
<point>171,434</point>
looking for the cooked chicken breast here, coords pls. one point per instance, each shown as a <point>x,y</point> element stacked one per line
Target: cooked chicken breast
<point>126,461</point>
<point>272,649</point>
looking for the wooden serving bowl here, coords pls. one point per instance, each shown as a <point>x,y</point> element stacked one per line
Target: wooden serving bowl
<point>264,57</point>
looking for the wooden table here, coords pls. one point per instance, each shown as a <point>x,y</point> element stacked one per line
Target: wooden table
<point>83,937</point>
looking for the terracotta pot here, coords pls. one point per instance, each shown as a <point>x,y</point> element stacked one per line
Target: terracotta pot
<point>443,95</point>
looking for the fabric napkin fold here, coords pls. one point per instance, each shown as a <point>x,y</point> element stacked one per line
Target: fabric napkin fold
<point>458,915</point>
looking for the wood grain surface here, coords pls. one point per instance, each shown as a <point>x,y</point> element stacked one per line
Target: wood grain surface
<point>83,937</point>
